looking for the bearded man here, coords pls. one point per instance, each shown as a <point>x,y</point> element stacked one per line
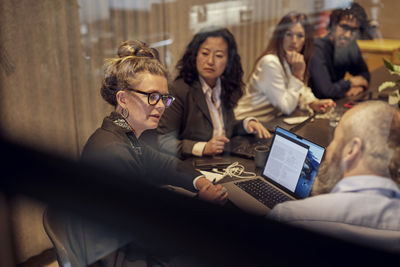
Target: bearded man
<point>338,53</point>
<point>356,195</point>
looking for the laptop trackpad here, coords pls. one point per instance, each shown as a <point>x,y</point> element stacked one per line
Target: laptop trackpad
<point>244,201</point>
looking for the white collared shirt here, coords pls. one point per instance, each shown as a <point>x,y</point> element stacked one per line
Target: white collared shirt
<point>213,99</point>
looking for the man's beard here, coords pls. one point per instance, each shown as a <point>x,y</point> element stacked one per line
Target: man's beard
<point>329,174</point>
<point>347,55</point>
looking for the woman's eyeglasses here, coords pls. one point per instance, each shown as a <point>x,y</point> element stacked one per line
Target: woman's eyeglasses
<point>153,98</point>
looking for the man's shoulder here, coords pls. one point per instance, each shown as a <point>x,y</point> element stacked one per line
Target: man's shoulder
<point>341,207</point>
<point>365,218</point>
<point>322,43</point>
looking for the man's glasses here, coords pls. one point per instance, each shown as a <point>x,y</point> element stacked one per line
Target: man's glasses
<point>353,30</point>
<point>153,98</point>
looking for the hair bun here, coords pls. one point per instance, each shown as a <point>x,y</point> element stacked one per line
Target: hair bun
<point>136,48</point>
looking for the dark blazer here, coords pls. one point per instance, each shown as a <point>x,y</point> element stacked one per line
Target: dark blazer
<point>117,149</point>
<point>188,121</point>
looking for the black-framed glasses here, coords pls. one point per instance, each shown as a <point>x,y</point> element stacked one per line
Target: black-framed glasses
<point>154,97</point>
<point>353,30</point>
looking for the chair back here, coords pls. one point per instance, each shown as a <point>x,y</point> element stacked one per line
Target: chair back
<point>55,226</point>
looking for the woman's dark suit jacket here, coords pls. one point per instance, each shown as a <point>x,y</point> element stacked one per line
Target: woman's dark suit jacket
<point>116,148</point>
<point>188,121</point>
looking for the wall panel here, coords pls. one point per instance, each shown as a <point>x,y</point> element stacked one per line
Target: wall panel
<point>54,63</point>
<point>37,104</point>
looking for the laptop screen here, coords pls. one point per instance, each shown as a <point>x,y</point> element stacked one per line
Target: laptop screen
<point>293,162</point>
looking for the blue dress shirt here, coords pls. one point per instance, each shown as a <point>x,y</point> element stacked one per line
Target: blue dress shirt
<point>363,209</point>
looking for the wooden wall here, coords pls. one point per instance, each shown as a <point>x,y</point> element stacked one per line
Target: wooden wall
<point>52,52</point>
<point>386,12</point>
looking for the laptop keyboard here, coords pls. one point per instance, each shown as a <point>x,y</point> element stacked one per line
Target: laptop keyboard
<point>263,192</point>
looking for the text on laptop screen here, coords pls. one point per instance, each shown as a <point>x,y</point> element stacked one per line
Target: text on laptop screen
<point>293,162</point>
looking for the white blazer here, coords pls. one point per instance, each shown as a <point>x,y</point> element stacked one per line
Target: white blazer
<point>270,92</point>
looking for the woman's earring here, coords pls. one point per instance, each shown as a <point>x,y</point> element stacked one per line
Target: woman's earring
<point>125,113</point>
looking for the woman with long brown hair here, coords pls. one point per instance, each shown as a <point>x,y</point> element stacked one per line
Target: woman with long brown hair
<point>278,83</point>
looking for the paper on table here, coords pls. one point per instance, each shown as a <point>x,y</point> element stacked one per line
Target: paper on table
<point>295,120</point>
<point>212,175</point>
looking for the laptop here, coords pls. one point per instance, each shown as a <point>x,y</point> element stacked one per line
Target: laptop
<point>288,174</point>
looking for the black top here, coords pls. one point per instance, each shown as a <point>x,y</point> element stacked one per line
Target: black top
<point>114,146</point>
<point>188,120</point>
<point>326,74</point>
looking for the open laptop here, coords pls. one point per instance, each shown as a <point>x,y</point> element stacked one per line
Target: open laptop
<point>288,174</point>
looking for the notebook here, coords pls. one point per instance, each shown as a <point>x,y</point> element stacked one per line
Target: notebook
<point>288,174</point>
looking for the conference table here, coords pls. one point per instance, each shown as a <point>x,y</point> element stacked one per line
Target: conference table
<point>319,129</point>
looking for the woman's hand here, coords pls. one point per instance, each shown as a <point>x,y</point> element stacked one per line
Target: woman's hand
<point>322,105</point>
<point>215,145</point>
<point>297,64</point>
<point>211,193</point>
<point>256,127</point>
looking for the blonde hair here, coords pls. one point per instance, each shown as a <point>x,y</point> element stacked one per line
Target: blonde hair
<point>134,57</point>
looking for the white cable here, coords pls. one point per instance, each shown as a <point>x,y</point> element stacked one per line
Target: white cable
<point>237,170</point>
